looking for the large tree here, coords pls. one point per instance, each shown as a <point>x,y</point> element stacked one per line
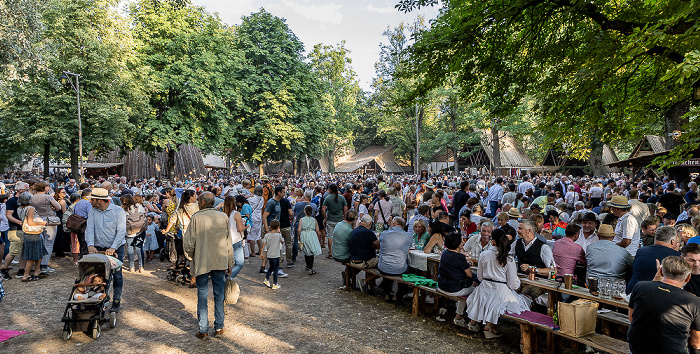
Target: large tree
<point>600,71</point>
<point>282,117</point>
<point>341,93</point>
<point>190,58</point>
<point>89,38</point>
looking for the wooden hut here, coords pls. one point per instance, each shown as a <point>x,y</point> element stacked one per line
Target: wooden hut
<point>374,159</point>
<point>137,164</point>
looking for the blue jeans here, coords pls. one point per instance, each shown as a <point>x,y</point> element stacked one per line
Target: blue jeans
<point>493,206</point>
<point>238,258</point>
<point>3,236</point>
<point>132,251</point>
<point>274,266</point>
<point>118,278</point>
<point>218,282</point>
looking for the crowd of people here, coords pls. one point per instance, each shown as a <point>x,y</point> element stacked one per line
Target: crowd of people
<point>633,229</point>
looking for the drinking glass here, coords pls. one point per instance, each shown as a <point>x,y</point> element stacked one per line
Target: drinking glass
<point>605,288</point>
<point>620,289</point>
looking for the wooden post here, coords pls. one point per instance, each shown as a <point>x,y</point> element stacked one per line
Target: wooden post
<point>529,337</point>
<point>416,301</point>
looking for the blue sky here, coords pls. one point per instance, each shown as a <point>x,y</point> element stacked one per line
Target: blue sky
<point>359,22</point>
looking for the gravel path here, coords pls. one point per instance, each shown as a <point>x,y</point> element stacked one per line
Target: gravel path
<point>308,314</point>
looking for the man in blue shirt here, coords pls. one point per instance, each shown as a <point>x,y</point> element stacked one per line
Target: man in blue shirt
<point>666,243</point>
<point>495,195</point>
<point>106,231</point>
<point>394,244</point>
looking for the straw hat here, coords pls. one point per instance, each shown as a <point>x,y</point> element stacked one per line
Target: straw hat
<point>430,185</point>
<point>514,213</point>
<point>264,178</point>
<point>100,193</point>
<point>606,230</point>
<point>620,202</point>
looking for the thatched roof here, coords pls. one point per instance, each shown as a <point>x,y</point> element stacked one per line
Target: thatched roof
<point>511,155</point>
<point>383,155</point>
<point>138,164</point>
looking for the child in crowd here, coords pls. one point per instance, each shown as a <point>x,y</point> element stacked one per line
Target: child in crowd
<point>150,244</point>
<point>272,251</point>
<point>93,292</point>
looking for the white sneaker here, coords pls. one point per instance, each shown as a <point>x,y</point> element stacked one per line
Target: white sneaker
<point>15,261</point>
<point>266,283</point>
<point>281,274</point>
<point>460,322</point>
<point>275,286</point>
<point>473,327</point>
<point>48,269</point>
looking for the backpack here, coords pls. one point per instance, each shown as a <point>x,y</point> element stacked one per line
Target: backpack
<point>66,215</point>
<point>135,222</point>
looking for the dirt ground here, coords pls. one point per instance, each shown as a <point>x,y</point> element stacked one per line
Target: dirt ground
<point>308,314</point>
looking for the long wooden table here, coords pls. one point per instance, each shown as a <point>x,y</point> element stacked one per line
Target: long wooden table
<point>557,287</point>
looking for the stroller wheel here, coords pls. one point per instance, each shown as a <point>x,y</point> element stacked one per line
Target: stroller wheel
<point>112,319</point>
<point>95,330</point>
<point>67,332</point>
<point>161,255</point>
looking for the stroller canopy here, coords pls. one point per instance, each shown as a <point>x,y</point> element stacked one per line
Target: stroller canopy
<point>95,263</point>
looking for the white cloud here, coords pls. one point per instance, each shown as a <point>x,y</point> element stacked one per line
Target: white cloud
<point>381,10</point>
<point>328,13</point>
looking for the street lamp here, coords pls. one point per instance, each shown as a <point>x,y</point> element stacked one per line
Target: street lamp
<point>66,77</point>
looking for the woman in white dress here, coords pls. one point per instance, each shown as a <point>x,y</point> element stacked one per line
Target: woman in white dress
<point>257,203</point>
<point>496,293</point>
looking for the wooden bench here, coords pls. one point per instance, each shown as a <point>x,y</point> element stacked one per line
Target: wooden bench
<point>528,332</point>
<point>419,291</point>
<point>528,329</point>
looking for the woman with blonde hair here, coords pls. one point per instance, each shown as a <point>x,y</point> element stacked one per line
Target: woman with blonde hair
<point>33,244</point>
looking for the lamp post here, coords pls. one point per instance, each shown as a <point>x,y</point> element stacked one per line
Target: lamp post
<point>66,77</point>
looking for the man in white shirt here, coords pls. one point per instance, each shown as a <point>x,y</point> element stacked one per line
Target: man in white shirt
<point>525,185</point>
<point>587,235</point>
<point>480,242</point>
<point>596,194</point>
<point>627,229</point>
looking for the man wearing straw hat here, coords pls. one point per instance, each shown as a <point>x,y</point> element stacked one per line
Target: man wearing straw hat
<point>605,259</point>
<point>627,229</point>
<point>106,231</point>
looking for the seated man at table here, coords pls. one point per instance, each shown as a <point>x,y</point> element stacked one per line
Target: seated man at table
<point>530,251</point>
<point>363,243</point>
<point>666,243</point>
<point>341,237</point>
<point>479,242</point>
<point>394,244</point>
<point>568,255</point>
<point>606,259</point>
<point>665,318</point>
<point>444,218</point>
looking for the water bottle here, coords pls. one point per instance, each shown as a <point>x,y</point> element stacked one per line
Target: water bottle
<point>552,271</point>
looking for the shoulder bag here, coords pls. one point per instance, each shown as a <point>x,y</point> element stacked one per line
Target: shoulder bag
<point>32,230</point>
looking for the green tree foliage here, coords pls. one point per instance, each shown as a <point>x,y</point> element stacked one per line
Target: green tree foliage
<point>341,93</point>
<point>190,58</point>
<point>599,71</point>
<point>91,39</point>
<point>282,116</point>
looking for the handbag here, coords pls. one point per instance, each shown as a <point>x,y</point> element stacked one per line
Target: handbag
<point>32,230</point>
<point>232,292</point>
<point>76,223</point>
<point>53,220</point>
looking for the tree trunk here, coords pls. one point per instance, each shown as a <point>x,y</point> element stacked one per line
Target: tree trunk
<point>330,157</point>
<point>47,152</point>
<point>596,157</point>
<point>171,164</point>
<point>674,120</point>
<point>261,168</point>
<point>453,117</point>
<point>419,124</point>
<point>496,150</point>
<point>74,165</point>
<point>295,171</point>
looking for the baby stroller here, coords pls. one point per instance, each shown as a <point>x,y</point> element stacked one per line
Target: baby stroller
<point>87,315</point>
<point>180,274</point>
